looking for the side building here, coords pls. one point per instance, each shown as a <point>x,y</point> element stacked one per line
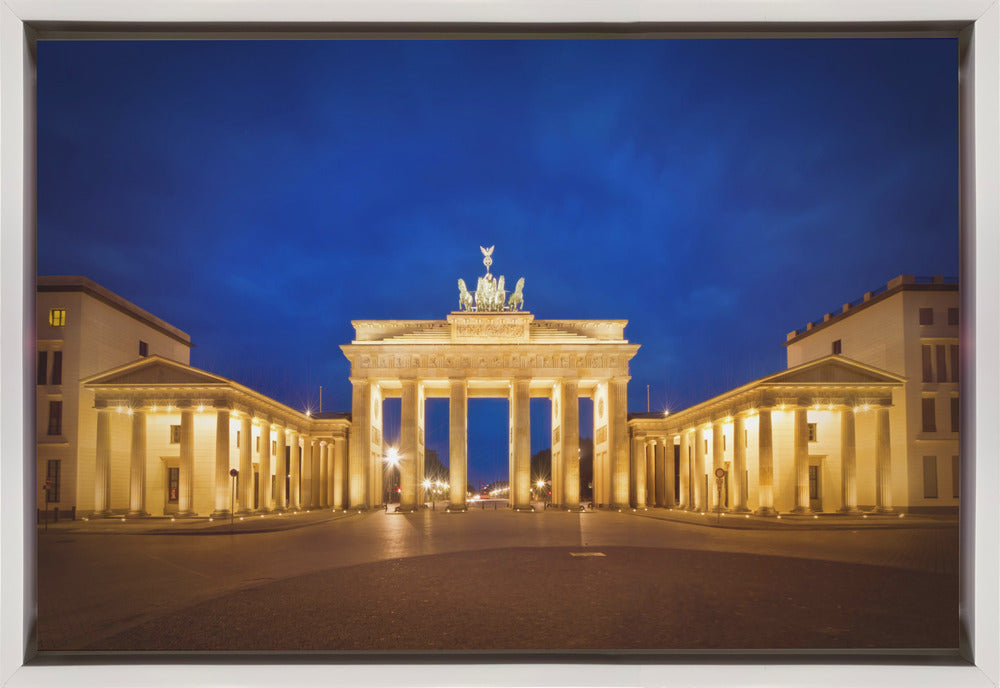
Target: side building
<point>83,328</point>
<point>908,327</point>
<point>865,418</point>
<point>127,427</point>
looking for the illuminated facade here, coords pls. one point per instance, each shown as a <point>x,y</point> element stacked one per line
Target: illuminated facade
<point>127,427</point>
<point>83,328</point>
<point>492,354</point>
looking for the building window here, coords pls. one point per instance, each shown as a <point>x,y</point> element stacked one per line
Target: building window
<point>274,448</point>
<point>954,477</point>
<point>952,316</point>
<point>941,352</point>
<point>143,348</point>
<point>175,434</point>
<point>57,317</point>
<point>52,473</point>
<point>57,367</point>
<point>928,363</point>
<point>55,417</point>
<point>43,367</point>
<point>706,445</point>
<point>926,316</point>
<point>953,350</point>
<point>812,432</point>
<point>836,347</point>
<point>723,443</point>
<point>930,477</point>
<point>258,444</point>
<point>173,484</point>
<point>954,414</point>
<point>237,439</point>
<point>927,413</point>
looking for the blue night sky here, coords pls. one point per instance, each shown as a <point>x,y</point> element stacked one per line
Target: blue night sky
<point>717,194</point>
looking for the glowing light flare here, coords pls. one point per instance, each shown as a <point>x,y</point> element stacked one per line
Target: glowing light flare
<point>392,456</point>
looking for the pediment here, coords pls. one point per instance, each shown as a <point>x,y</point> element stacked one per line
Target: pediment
<point>834,369</point>
<point>154,371</point>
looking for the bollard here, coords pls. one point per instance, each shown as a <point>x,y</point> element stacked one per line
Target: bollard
<point>55,513</point>
<point>72,513</point>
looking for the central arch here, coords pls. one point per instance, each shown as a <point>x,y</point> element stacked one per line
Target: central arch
<point>491,354</point>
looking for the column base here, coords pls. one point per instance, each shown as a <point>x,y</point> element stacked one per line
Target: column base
<point>741,510</point>
<point>801,510</point>
<point>883,510</point>
<point>184,514</point>
<point>220,514</point>
<point>765,511</point>
<point>102,514</point>
<point>137,514</point>
<point>849,510</point>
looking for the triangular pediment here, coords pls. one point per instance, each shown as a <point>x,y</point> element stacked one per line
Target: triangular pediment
<point>834,369</point>
<point>154,370</point>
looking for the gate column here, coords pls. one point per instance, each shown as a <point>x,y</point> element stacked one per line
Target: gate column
<point>521,444</point>
<point>408,460</point>
<point>458,443</point>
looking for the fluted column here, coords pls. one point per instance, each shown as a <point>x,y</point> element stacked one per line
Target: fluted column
<point>339,461</point>
<point>421,468</point>
<point>569,422</point>
<point>264,473</point>
<point>246,464</point>
<point>458,442</point>
<point>223,483</point>
<point>650,472</point>
<point>330,446</point>
<point>848,462</point>
<point>765,465</point>
<point>800,429</point>
<point>684,501</point>
<point>883,462</point>
<point>137,467</point>
<point>665,473</point>
<point>521,418</point>
<point>360,442</point>
<point>280,469</point>
<point>718,501</point>
<point>324,474</point>
<point>637,493</point>
<point>739,477</point>
<point>698,473</point>
<point>408,461</point>
<point>102,466</point>
<point>185,495</point>
<point>618,449</point>
<point>315,484</point>
<point>293,487</point>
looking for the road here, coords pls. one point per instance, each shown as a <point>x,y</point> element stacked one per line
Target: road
<point>433,580</point>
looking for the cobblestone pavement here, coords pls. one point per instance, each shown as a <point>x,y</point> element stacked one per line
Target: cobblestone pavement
<point>103,586</point>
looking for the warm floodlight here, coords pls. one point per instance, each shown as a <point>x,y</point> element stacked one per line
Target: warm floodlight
<point>427,484</point>
<point>392,456</point>
<point>540,483</point>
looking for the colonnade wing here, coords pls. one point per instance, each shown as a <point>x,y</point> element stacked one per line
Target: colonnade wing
<point>709,453</point>
<point>222,447</point>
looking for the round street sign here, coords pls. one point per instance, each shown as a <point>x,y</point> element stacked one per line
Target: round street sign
<point>720,472</point>
<point>234,472</point>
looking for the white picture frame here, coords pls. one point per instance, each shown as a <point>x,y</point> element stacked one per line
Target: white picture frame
<point>977,24</point>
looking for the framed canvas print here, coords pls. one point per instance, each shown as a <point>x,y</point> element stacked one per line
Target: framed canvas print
<point>342,346</point>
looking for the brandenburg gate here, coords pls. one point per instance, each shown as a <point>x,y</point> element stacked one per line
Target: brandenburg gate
<point>490,347</point>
